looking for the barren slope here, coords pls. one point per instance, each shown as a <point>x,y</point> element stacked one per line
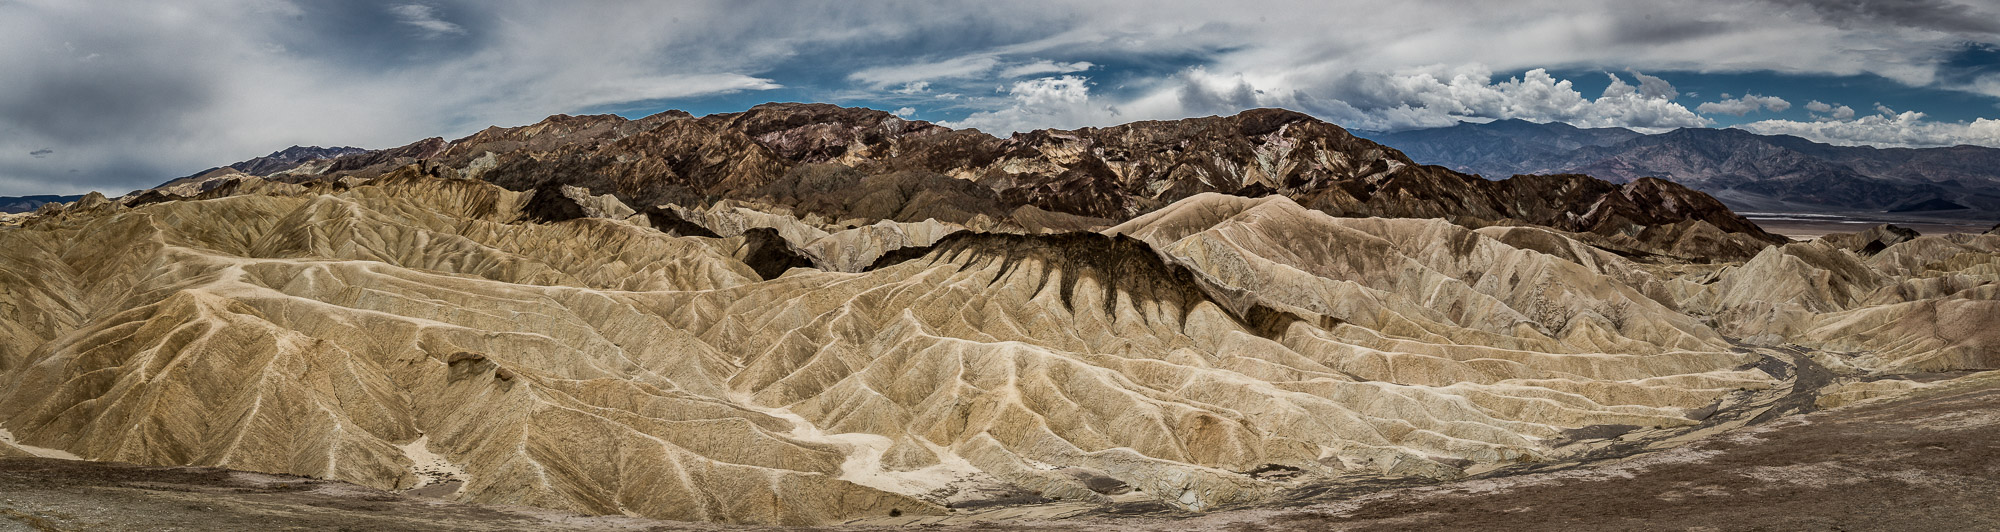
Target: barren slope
<point>596,364</point>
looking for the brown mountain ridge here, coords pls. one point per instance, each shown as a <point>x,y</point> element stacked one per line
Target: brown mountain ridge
<point>866,166</point>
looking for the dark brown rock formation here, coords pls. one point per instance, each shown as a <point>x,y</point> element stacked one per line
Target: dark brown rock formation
<point>869,165</point>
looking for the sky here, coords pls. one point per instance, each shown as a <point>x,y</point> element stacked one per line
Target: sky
<point>114,95</point>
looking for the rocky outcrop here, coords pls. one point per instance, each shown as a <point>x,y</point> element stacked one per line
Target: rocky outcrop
<point>292,157</point>
<point>670,222</point>
<point>1873,240</point>
<point>769,254</point>
<point>548,203</point>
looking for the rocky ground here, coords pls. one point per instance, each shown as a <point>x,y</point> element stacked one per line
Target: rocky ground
<point>42,495</point>
<point>1928,460</point>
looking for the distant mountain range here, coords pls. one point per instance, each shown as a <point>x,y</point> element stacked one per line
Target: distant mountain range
<point>14,204</point>
<point>1745,170</point>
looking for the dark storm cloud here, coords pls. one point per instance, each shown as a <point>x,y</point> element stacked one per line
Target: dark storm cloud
<point>1645,29</point>
<point>1201,99</point>
<point>130,91</point>
<point>366,35</point>
<point>1941,15</point>
<point>109,82</point>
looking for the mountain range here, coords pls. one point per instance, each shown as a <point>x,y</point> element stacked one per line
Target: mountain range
<point>861,164</point>
<point>18,204</point>
<point>1748,171</point>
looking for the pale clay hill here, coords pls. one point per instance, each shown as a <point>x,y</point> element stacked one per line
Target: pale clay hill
<point>378,331</point>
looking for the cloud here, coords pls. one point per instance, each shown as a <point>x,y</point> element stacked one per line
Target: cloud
<point>1044,66</point>
<point>425,18</point>
<point>914,77</point>
<point>905,112</point>
<point>1938,15</point>
<point>41,153</point>
<point>1907,129</point>
<point>1058,102</point>
<point>1747,104</point>
<point>163,95</point>
<point>1829,110</point>
<point>1438,96</point>
<point>1405,99</point>
<point>1653,87</point>
<point>957,67</point>
<point>623,90</point>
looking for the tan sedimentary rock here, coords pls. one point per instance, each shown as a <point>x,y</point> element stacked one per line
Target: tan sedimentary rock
<point>853,250</point>
<point>1925,303</point>
<point>599,365</point>
<point>313,334</point>
<point>831,246</point>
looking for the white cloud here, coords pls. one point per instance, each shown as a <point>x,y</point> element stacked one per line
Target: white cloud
<point>957,67</point>
<point>1823,110</point>
<point>1058,102</point>
<point>1411,98</point>
<point>1653,87</point>
<point>1747,104</point>
<point>905,112</point>
<point>632,89</point>
<point>1044,66</point>
<point>914,78</point>
<point>1439,96</point>
<point>425,17</point>
<point>1052,91</point>
<point>1907,129</point>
